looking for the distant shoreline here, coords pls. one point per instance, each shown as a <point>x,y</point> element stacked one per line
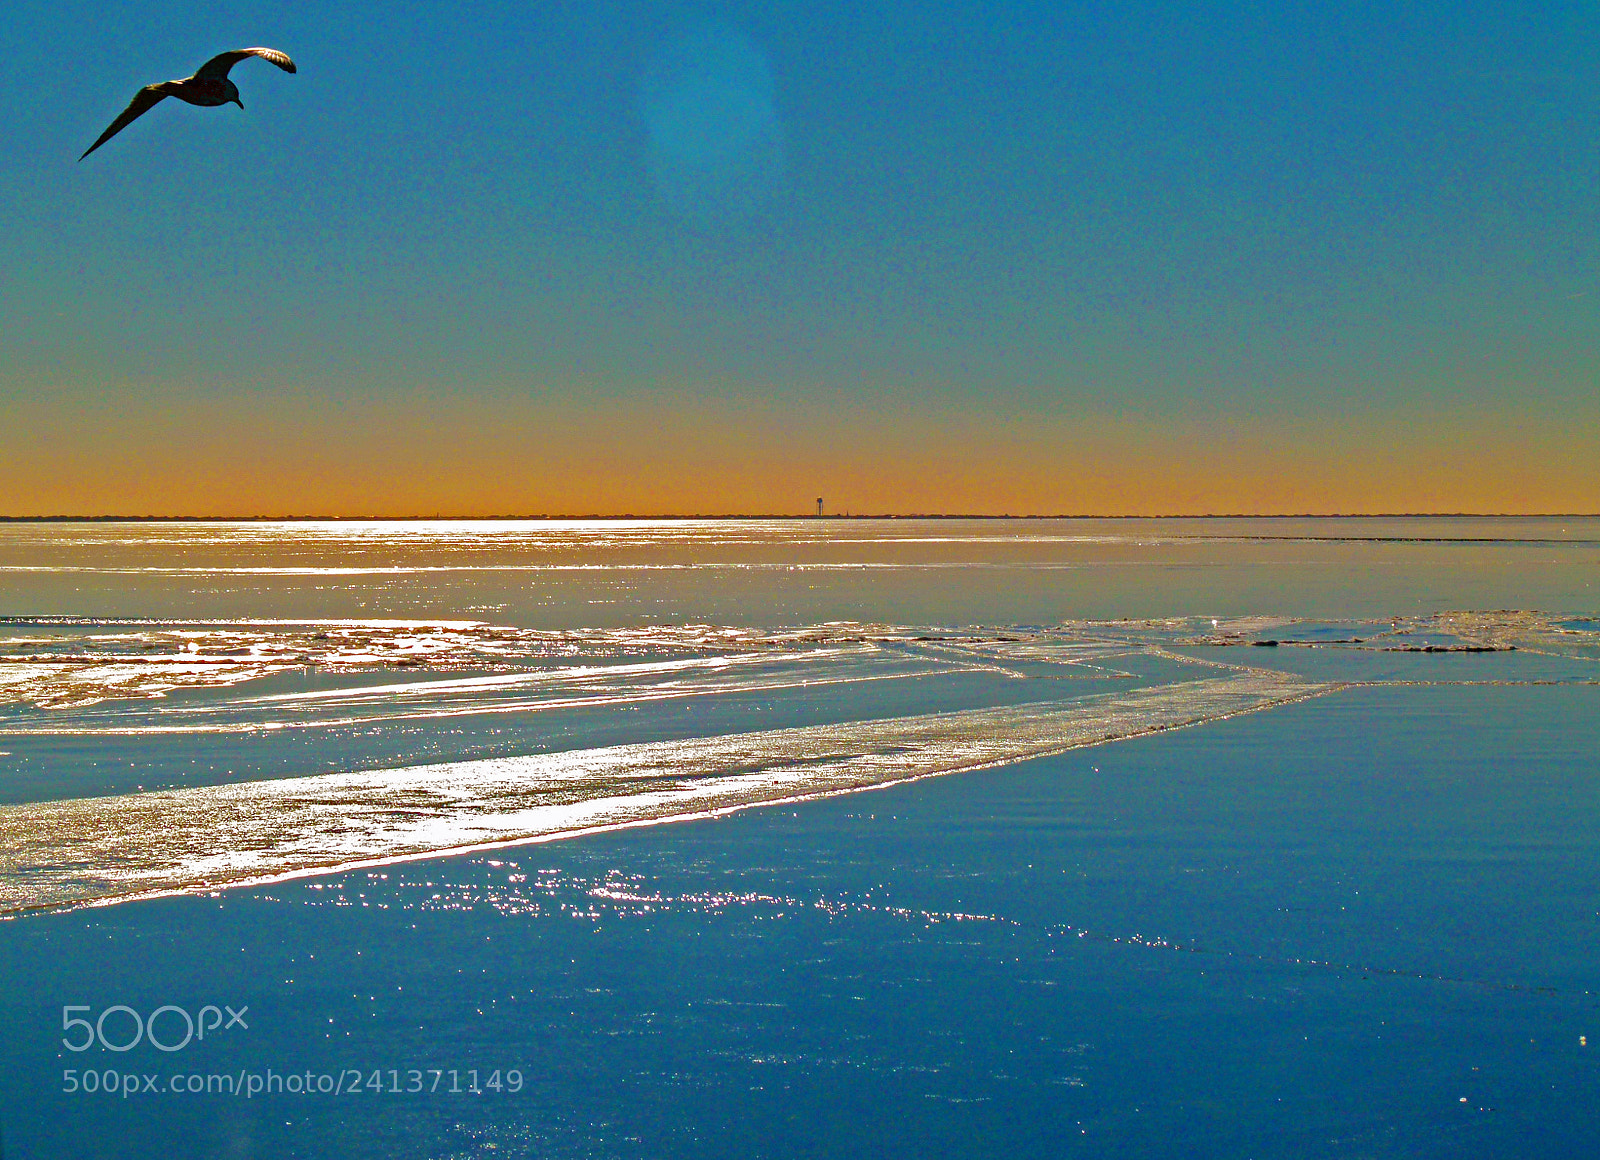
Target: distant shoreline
<point>294,519</point>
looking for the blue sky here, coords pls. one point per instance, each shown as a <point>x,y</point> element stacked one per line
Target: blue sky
<point>1013,236</point>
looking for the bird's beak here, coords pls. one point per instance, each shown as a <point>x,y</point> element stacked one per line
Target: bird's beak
<point>238,102</point>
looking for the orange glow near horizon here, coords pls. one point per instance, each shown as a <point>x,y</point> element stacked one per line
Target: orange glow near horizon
<point>312,458</point>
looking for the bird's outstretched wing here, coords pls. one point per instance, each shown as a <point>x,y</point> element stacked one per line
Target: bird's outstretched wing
<point>217,67</point>
<point>142,100</point>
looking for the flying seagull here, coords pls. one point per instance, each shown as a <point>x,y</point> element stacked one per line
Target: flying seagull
<point>209,86</point>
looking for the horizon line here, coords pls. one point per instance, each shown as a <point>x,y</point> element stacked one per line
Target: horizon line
<point>559,518</point>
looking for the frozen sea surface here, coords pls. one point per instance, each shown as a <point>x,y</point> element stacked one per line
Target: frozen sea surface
<point>1347,909</point>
